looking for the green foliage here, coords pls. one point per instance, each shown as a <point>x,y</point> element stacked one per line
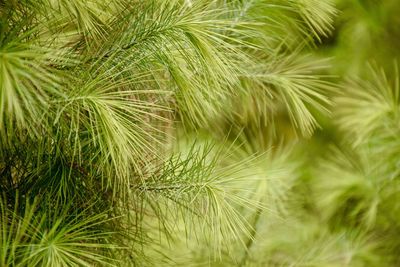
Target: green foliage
<point>50,233</point>
<point>199,133</point>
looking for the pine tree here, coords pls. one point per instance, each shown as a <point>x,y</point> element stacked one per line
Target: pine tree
<point>189,133</point>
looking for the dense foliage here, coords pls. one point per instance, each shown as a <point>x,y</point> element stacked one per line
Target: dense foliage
<point>199,133</point>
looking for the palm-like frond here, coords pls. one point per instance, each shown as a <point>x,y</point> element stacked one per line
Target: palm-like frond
<point>118,119</point>
<point>255,184</point>
<point>27,83</point>
<point>197,46</point>
<point>295,83</point>
<point>195,184</point>
<point>318,15</point>
<point>56,237</point>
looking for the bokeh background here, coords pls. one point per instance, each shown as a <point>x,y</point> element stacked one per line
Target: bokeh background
<point>332,196</point>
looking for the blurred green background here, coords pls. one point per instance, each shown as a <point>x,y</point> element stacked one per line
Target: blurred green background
<point>336,199</point>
